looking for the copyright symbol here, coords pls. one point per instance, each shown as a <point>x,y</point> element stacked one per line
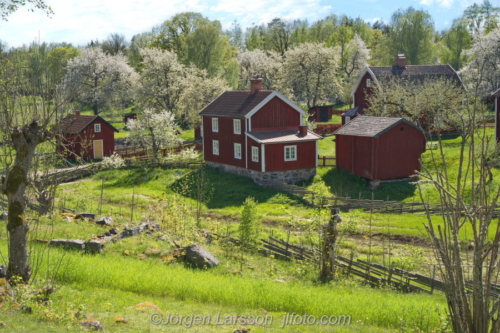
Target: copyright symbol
<point>156,319</point>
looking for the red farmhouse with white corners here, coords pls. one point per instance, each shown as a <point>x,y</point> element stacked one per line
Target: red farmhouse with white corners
<point>87,137</point>
<point>259,134</point>
<point>374,77</point>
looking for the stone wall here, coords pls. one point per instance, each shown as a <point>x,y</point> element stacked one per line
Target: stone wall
<point>266,178</point>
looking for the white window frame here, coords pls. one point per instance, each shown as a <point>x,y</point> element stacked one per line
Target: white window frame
<point>215,124</point>
<point>255,154</point>
<point>292,149</point>
<point>237,151</point>
<point>368,83</point>
<point>97,128</point>
<point>215,147</point>
<point>237,126</point>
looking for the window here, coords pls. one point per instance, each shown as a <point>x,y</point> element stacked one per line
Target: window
<point>97,128</point>
<point>290,153</point>
<point>237,151</point>
<point>368,83</point>
<point>237,126</point>
<point>215,147</point>
<point>255,154</point>
<point>215,124</point>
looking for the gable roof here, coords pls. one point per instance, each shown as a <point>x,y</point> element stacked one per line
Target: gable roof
<point>371,127</point>
<point>243,104</point>
<point>413,73</point>
<point>281,136</point>
<point>496,93</point>
<point>73,124</point>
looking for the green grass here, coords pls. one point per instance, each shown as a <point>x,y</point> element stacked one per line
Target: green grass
<point>326,147</point>
<point>336,119</point>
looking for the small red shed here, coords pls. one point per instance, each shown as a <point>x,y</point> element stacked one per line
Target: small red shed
<point>128,116</point>
<point>496,96</point>
<point>379,148</point>
<point>87,137</point>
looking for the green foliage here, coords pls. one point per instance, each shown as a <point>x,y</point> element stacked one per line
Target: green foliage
<point>250,224</point>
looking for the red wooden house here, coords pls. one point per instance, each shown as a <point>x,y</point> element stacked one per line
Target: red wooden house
<point>87,137</point>
<point>259,134</point>
<point>374,77</point>
<point>379,148</point>
<point>496,96</point>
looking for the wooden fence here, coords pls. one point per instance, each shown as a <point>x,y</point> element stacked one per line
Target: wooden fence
<point>326,161</point>
<point>129,152</point>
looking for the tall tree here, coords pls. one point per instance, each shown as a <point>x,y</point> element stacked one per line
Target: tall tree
<point>482,18</point>
<point>114,44</point>
<point>457,40</point>
<point>411,32</point>
<point>104,80</point>
<point>311,73</point>
<point>267,65</point>
<point>7,7</point>
<point>279,35</point>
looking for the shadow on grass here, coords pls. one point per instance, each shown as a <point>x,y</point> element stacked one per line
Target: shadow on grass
<point>231,190</point>
<point>344,184</point>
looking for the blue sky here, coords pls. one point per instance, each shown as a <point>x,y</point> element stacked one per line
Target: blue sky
<point>79,21</point>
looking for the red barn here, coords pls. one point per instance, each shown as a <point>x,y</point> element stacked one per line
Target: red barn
<point>374,77</point>
<point>496,96</point>
<point>128,116</point>
<point>88,137</point>
<point>259,134</point>
<point>379,148</point>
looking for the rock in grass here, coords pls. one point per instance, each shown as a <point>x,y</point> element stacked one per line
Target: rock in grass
<point>199,257</point>
<point>130,232</point>
<point>92,323</point>
<point>89,216</point>
<point>105,221</point>
<point>93,246</point>
<point>3,216</point>
<point>76,244</point>
<point>3,271</point>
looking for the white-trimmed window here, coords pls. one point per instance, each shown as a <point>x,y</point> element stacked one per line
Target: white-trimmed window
<point>290,153</point>
<point>215,124</point>
<point>368,83</point>
<point>255,154</point>
<point>97,128</point>
<point>237,151</point>
<point>215,147</point>
<point>237,126</point>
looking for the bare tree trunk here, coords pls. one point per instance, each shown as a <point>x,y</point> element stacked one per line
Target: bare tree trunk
<point>330,235</point>
<point>24,141</point>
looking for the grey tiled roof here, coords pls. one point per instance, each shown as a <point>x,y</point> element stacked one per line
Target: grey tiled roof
<point>283,136</point>
<point>235,103</point>
<point>371,126</point>
<point>417,73</point>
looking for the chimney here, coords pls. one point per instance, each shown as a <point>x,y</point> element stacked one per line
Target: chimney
<point>400,61</point>
<point>77,113</point>
<point>255,84</point>
<point>302,129</point>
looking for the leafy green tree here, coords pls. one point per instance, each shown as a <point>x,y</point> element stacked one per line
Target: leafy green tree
<point>457,40</point>
<point>411,32</point>
<point>250,224</point>
<point>235,34</point>
<point>482,18</point>
<point>7,7</point>
<point>114,44</point>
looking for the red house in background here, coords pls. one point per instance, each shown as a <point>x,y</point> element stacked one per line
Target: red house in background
<point>259,134</point>
<point>374,77</point>
<point>88,137</point>
<point>496,96</point>
<point>379,148</point>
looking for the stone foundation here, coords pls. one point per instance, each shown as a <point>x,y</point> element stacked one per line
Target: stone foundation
<point>266,178</point>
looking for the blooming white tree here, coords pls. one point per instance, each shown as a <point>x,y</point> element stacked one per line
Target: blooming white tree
<point>311,73</point>
<point>485,64</point>
<point>153,130</point>
<point>103,80</point>
<point>266,64</point>
<point>200,92</point>
<point>163,80</point>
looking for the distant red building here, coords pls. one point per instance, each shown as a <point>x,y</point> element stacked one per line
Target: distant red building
<point>128,116</point>
<point>259,134</point>
<point>379,148</point>
<point>374,77</point>
<point>88,137</point>
<point>496,96</point>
